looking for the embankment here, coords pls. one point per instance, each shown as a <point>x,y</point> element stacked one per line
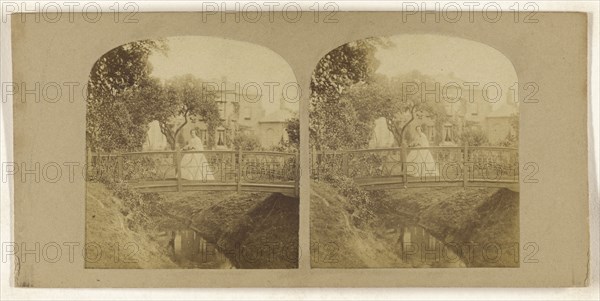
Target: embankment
<point>480,225</point>
<point>110,241</point>
<point>336,242</point>
<point>253,230</point>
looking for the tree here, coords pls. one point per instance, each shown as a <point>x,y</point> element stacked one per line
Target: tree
<point>474,137</point>
<point>333,123</point>
<point>512,138</point>
<point>184,97</point>
<point>293,130</point>
<point>398,100</point>
<point>115,118</point>
<point>246,141</point>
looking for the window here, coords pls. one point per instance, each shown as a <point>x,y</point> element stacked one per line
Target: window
<point>246,113</point>
<point>475,109</point>
<point>221,105</point>
<point>448,133</point>
<point>221,137</point>
<point>431,132</point>
<point>203,135</point>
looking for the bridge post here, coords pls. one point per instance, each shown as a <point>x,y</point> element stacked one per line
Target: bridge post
<point>297,180</point>
<point>404,167</point>
<point>345,167</point>
<point>314,165</point>
<point>89,163</point>
<point>120,166</point>
<point>177,155</point>
<point>465,169</point>
<point>239,171</point>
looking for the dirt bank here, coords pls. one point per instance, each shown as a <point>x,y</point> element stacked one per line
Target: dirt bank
<point>254,230</point>
<point>110,241</point>
<point>481,226</point>
<point>483,223</point>
<point>336,242</point>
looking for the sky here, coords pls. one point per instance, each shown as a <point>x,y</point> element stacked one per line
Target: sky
<point>442,55</point>
<point>212,58</point>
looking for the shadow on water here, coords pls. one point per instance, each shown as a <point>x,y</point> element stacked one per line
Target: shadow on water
<point>189,250</point>
<point>417,247</point>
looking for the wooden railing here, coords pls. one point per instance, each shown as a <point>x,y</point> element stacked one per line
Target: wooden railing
<point>387,168</point>
<point>229,170</point>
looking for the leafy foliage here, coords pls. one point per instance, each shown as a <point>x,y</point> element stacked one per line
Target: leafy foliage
<point>115,119</point>
<point>123,99</point>
<point>398,100</point>
<point>185,96</point>
<point>474,137</point>
<point>293,131</point>
<point>334,123</point>
<point>139,208</point>
<point>360,203</point>
<point>512,138</point>
<point>246,141</point>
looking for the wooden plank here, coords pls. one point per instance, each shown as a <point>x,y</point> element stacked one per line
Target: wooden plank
<point>120,167</point>
<point>345,166</point>
<point>158,189</point>
<point>289,190</point>
<point>432,148</point>
<point>493,181</point>
<point>270,153</point>
<point>210,188</point>
<point>392,186</point>
<point>239,171</point>
<point>268,185</point>
<point>465,158</point>
<point>380,180</point>
<point>404,166</point>
<point>178,165</point>
<point>297,180</point>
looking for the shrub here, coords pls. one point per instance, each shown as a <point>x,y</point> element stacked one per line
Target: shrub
<point>246,141</point>
<point>358,198</point>
<point>474,137</point>
<point>137,207</point>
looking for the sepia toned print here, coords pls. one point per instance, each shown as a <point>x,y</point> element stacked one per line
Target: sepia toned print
<point>193,151</point>
<point>144,156</point>
<point>414,153</point>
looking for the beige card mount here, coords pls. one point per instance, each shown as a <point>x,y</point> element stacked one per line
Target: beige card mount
<point>364,149</point>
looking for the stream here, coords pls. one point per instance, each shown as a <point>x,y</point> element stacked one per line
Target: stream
<point>189,250</point>
<point>421,249</point>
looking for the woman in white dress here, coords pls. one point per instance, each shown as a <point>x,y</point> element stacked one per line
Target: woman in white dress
<point>194,166</point>
<point>424,164</point>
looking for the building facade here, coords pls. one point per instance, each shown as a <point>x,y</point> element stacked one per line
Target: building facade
<point>240,113</point>
<point>472,110</point>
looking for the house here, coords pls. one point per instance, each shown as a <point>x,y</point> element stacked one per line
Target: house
<point>470,110</point>
<point>499,123</point>
<point>272,129</point>
<point>239,113</point>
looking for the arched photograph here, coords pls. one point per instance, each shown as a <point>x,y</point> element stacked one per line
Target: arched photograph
<point>414,155</point>
<point>193,156</point>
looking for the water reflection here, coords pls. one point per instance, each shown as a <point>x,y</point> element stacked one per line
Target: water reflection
<point>421,249</point>
<point>189,250</point>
